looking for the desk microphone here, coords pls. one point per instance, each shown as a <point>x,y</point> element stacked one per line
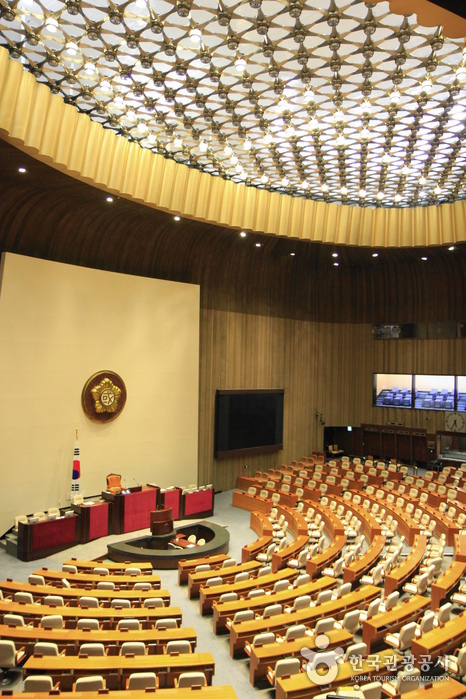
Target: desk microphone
<point>136,481</point>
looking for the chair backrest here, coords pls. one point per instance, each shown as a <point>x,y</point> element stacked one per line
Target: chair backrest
<point>427,622</point>
<point>252,490</point>
<point>302,579</point>
<point>263,639</point>
<point>216,580</point>
<point>89,684</point>
<point>142,680</point>
<point>373,607</point>
<point>133,648</point>
<point>201,568</point>
<point>241,577</point>
<point>90,624</point>
<point>120,603</point>
<point>179,646</point>
<point>153,602</point>
<point>351,621</point>
<point>243,615</point>
<point>407,634</point>
<point>191,679</point>
<point>52,621</point>
<point>229,562</point>
<point>35,579</point>
<point>324,625</point>
<point>392,600</point>
<point>287,666</point>
<point>77,499</point>
<point>372,690</point>
<point>45,648</point>
<point>356,650</point>
<point>251,594</point>
<point>292,632</point>
<point>100,570</point>
<point>407,680</point>
<point>272,610</point>
<point>23,597</point>
<point>67,568</point>
<point>114,482</point>
<point>87,602</point>
<point>443,614</point>
<point>105,585</point>
<point>18,519</point>
<point>165,624</point>
<point>7,654</point>
<point>92,649</point>
<point>135,624</point>
<point>13,620</point>
<point>263,494</point>
<point>301,602</point>
<point>266,570</point>
<point>54,600</point>
<point>38,683</point>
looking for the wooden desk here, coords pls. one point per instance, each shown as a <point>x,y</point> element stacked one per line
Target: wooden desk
<point>407,526</point>
<point>189,565</point>
<point>378,665</point>
<point>198,580</point>
<point>450,689</point>
<point>460,547</point>
<point>130,511</point>
<point>44,538</point>
<point>116,668</point>
<point>90,580</point>
<point>361,565</point>
<point>440,641</point>
<point>72,595</point>
<point>227,610</point>
<point>243,632</point>
<point>446,583</point>
<point>208,692</point>
<point>281,558</point>
<point>403,572</point>
<point>375,628</point>
<point>260,524</point>
<point>93,519</point>
<point>86,566</point>
<point>251,502</point>
<point>369,525</point>
<point>263,657</point>
<point>209,595</point>
<point>317,563</point>
<point>34,612</point>
<point>71,639</point>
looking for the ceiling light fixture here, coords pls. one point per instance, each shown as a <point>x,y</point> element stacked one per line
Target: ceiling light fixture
<point>240,65</point>
<point>375,254</point>
<point>51,24</point>
<point>177,218</point>
<point>22,170</point>
<point>243,234</point>
<point>195,35</point>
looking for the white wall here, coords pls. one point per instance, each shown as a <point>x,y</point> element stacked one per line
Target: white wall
<point>59,324</point>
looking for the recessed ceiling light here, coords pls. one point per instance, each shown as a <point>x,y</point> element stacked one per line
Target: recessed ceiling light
<point>258,245</point>
<point>292,254</point>
<point>424,259</point>
<point>21,169</point>
<point>334,254</point>
<point>109,199</point>
<point>375,254</point>
<point>336,264</point>
<point>177,218</point>
<point>243,234</point>
<point>452,247</point>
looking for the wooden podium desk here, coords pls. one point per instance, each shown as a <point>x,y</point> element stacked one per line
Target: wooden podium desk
<point>199,503</point>
<point>116,668</point>
<point>44,538</point>
<point>130,510</point>
<point>71,639</point>
<point>93,518</point>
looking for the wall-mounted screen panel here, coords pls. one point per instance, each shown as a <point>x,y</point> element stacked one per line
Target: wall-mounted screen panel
<point>461,394</point>
<point>248,422</point>
<point>434,392</point>
<point>393,390</point>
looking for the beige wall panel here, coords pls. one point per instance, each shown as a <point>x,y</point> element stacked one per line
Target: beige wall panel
<point>60,324</point>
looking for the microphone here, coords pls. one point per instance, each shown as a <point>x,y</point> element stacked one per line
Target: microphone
<point>136,482</point>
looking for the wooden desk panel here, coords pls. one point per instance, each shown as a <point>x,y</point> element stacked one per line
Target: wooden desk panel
<point>460,547</point>
<point>116,669</point>
<point>71,639</point>
<point>187,566</point>
<point>208,692</point>
<point>317,563</point>
<point>263,657</point>
<point>262,526</point>
<point>227,610</point>
<point>446,583</point>
<point>72,595</point>
<point>399,575</point>
<point>450,689</point>
<point>87,566</point>
<point>244,632</point>
<point>209,595</point>
<point>407,526</point>
<point>251,502</point>
<point>198,580</point>
<point>90,580</point>
<point>300,686</point>
<point>359,567</point>
<point>34,612</point>
<point>281,558</point>
<point>375,628</point>
<point>440,641</point>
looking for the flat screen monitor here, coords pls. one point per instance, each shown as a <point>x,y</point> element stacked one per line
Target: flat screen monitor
<point>393,390</point>
<point>248,422</point>
<point>434,392</point>
<point>461,394</point>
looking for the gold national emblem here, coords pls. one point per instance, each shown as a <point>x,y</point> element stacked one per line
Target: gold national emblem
<point>106,396</point>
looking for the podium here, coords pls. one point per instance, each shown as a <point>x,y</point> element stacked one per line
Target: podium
<point>94,520</point>
<point>130,510</point>
<point>44,538</point>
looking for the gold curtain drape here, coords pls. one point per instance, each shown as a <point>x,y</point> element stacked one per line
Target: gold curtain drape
<point>41,124</point>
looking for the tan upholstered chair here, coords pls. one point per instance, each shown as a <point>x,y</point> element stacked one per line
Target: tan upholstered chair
<point>114,483</point>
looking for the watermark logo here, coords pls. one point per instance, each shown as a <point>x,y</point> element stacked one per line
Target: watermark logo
<point>322,666</point>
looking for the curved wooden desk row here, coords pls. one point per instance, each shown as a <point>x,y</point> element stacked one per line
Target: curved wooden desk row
<point>407,526</point>
<point>369,525</point>
<point>244,632</point>
<point>34,613</point>
<point>208,692</point>
<point>198,580</point>
<point>186,566</point>
<point>87,566</point>
<point>71,639</point>
<point>440,641</point>
<point>71,596</point>
<point>90,580</point>
<point>226,610</point>
<point>115,669</point>
<point>262,526</point>
<point>375,628</point>
<point>209,595</point>
<point>403,572</point>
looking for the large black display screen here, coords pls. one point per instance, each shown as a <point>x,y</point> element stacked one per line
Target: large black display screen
<point>248,421</point>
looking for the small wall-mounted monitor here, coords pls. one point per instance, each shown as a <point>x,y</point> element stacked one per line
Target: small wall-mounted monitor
<point>248,422</point>
<point>461,394</point>
<point>434,392</point>
<point>393,390</point>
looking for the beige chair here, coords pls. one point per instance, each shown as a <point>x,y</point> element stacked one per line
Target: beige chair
<point>14,620</point>
<point>120,603</point>
<point>133,648</point>
<point>141,681</point>
<point>45,648</point>
<point>10,658</point>
<point>191,679</point>
<point>177,647</point>
<point>455,664</point>
<point>88,602</point>
<point>18,519</point>
<point>402,640</point>
<point>90,624</point>
<point>52,621</point>
<point>406,681</point>
<point>23,598</point>
<point>135,624</point>
<point>92,650</point>
<point>94,683</point>
<point>38,683</point>
<point>285,666</point>
<point>165,624</point>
